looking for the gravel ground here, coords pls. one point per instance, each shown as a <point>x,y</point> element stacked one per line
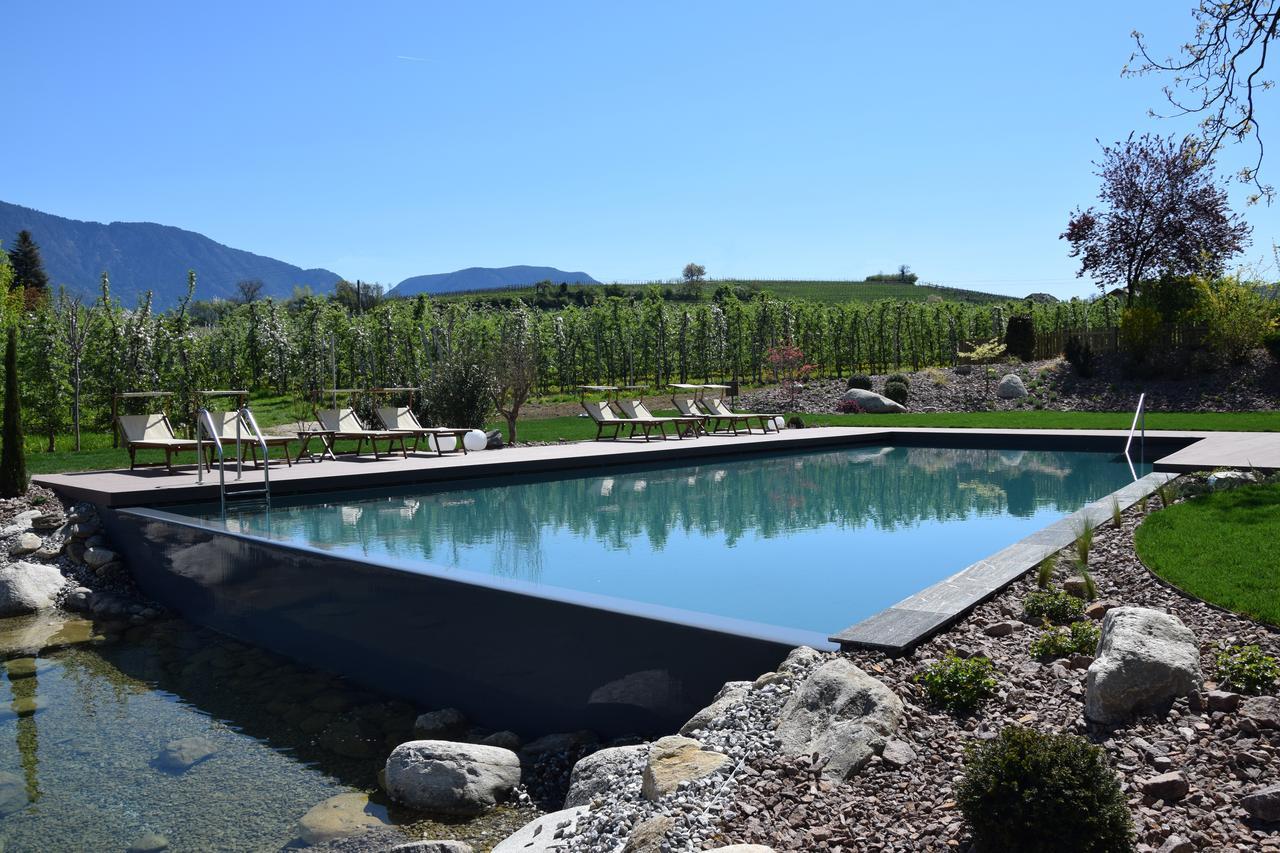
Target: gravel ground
<point>1251,386</point>
<point>766,798</point>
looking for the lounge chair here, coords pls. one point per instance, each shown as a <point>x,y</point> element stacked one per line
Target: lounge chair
<point>636,410</point>
<point>402,419</point>
<point>345,425</point>
<point>152,432</point>
<point>602,413</point>
<point>224,423</point>
<point>711,423</point>
<point>716,407</point>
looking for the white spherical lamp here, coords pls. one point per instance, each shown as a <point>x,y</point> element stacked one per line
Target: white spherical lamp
<point>446,443</point>
<point>475,440</point>
<point>780,423</point>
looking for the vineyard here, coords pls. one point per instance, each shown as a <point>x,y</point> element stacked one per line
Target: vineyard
<point>76,356</point>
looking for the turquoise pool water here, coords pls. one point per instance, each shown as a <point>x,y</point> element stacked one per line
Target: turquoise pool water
<point>810,542</point>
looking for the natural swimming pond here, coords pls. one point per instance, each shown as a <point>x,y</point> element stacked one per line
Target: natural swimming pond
<point>798,545</point>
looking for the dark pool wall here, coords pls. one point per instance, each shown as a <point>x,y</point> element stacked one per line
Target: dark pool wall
<point>509,660</point>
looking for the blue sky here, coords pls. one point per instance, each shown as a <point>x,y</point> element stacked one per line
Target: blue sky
<point>383,140</point>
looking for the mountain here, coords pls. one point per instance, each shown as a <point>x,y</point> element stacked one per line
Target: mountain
<point>485,278</point>
<point>141,256</point>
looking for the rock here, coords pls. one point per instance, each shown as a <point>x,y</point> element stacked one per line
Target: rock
<point>596,774</point>
<point>445,724</point>
<point>1264,711</point>
<point>648,835</point>
<point>1170,787</point>
<point>352,738</point>
<point>493,440</point>
<point>559,742</point>
<point>79,600</point>
<point>542,835</point>
<point>1223,700</point>
<point>742,848</point>
<point>26,543</point>
<point>46,521</point>
<point>801,657</point>
<point>731,695</point>
<point>433,847</point>
<point>841,713</point>
<point>148,842</point>
<point>1263,804</point>
<point>28,587</point>
<point>96,557</point>
<point>1080,661</point>
<point>1176,844</point>
<point>1229,479</point>
<point>503,739</point>
<point>1076,585</point>
<point>1011,387</point>
<point>675,759</point>
<point>179,755</point>
<point>84,529</point>
<point>873,403</point>
<point>451,778</point>
<point>1098,609</point>
<point>1146,659</point>
<point>13,793</point>
<point>339,817</point>
<point>898,753</point>
<point>1000,629</point>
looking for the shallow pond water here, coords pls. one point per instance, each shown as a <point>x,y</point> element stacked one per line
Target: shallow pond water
<point>87,710</point>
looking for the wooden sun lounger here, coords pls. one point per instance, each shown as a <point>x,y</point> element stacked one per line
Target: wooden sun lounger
<point>345,426</point>
<point>602,413</point>
<point>152,432</point>
<point>636,410</point>
<point>403,420</point>
<point>717,408</point>
<point>225,425</point>
<point>711,423</point>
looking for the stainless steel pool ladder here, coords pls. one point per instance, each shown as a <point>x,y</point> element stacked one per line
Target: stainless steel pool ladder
<point>1139,414</point>
<point>204,426</point>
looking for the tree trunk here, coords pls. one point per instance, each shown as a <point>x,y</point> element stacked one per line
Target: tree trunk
<point>511,426</point>
<point>13,469</point>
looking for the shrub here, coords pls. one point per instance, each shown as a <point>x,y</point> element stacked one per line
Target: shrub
<point>1247,669</point>
<point>1140,332</point>
<point>958,684</point>
<point>1079,639</point>
<point>795,422</point>
<point>1271,340</point>
<point>1081,357</point>
<point>1237,317</point>
<point>459,393</point>
<point>1059,607</point>
<point>849,407</point>
<point>1020,337</point>
<point>860,380</point>
<point>937,378</point>
<point>898,377</point>
<point>1043,793</point>
<point>1044,571</point>
<point>897,392</point>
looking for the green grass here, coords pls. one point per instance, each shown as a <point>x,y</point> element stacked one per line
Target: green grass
<point>1221,548</point>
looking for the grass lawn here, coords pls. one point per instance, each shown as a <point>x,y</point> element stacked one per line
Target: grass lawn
<point>1220,547</point>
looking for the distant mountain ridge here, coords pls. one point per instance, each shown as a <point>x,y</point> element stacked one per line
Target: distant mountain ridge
<point>142,256</point>
<point>484,278</point>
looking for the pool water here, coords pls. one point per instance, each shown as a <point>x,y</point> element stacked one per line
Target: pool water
<point>806,542</point>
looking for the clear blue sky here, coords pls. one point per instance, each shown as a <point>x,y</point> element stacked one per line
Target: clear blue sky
<point>383,140</point>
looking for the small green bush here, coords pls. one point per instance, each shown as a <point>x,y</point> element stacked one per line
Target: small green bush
<point>1058,606</point>
<point>1080,639</point>
<point>1271,340</point>
<point>1247,669</point>
<point>860,380</point>
<point>898,377</point>
<point>958,684</point>
<point>897,392</point>
<point>1043,793</point>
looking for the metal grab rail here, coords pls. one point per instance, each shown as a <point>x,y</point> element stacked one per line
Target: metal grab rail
<point>247,417</point>
<point>204,424</point>
<point>1139,413</point>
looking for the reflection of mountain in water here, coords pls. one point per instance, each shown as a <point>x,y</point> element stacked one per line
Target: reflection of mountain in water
<point>886,488</point>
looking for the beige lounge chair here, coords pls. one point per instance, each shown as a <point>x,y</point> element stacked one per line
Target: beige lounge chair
<point>152,432</point>
<point>636,410</point>
<point>402,419</point>
<point>716,407</point>
<point>345,425</point>
<point>224,423</point>
<point>602,413</point>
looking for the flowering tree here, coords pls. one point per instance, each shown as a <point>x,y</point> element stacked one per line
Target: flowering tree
<point>789,368</point>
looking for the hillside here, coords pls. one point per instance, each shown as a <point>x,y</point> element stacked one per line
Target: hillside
<point>486,278</point>
<point>141,256</point>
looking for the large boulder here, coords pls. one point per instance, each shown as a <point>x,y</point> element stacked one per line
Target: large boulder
<point>675,759</point>
<point>873,403</point>
<point>339,817</point>
<point>28,587</point>
<point>732,696</point>
<point>181,754</point>
<point>841,713</point>
<point>451,778</point>
<point>597,774</point>
<point>1146,659</point>
<point>544,834</point>
<point>1011,387</point>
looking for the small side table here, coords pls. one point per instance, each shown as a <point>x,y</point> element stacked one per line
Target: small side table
<point>326,441</point>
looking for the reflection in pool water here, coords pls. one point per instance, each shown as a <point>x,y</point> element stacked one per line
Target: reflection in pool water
<point>811,541</point>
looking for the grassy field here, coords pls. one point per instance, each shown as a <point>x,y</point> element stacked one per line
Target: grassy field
<point>830,292</point>
<point>97,452</point>
<point>1221,548</point>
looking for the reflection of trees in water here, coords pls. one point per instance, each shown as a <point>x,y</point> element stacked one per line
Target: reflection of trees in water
<point>26,733</point>
<point>886,488</point>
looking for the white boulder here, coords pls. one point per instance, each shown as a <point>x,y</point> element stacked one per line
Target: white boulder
<point>873,403</point>
<point>1146,659</point>
<point>597,774</point>
<point>544,835</point>
<point>1011,387</point>
<point>28,587</point>
<point>451,778</point>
